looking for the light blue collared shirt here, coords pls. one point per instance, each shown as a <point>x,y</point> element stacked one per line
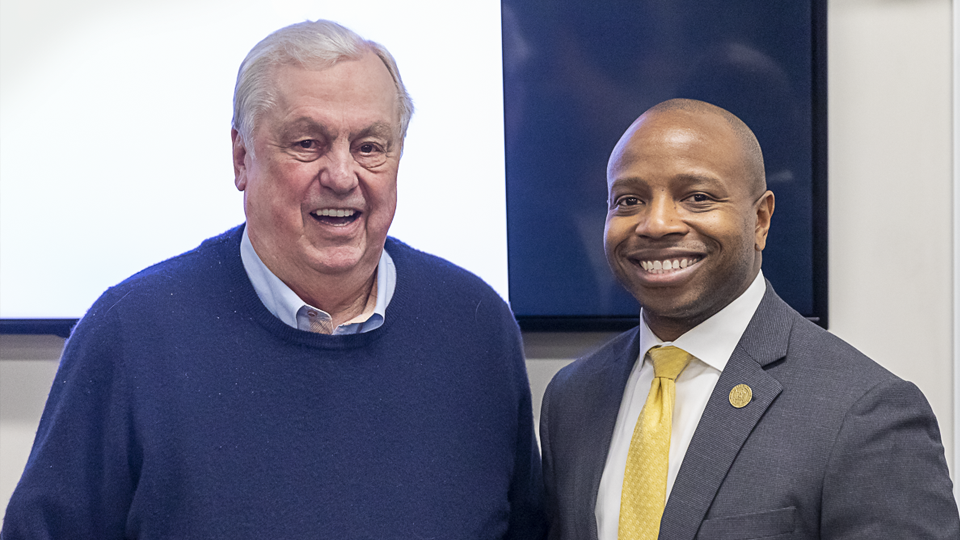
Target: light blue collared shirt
<point>280,299</point>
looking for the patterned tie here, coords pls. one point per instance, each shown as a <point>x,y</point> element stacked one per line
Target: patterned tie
<point>645,478</point>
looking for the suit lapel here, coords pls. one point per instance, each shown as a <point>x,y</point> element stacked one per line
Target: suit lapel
<point>723,428</point>
<point>609,383</point>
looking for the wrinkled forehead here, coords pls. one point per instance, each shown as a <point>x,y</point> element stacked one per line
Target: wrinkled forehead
<point>362,84</point>
<point>367,68</point>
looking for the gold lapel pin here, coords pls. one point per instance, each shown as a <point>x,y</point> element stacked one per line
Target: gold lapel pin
<point>740,396</point>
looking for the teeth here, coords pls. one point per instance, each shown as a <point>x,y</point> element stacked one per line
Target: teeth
<point>659,267</point>
<point>334,212</point>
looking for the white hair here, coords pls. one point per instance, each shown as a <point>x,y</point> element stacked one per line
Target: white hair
<point>313,45</point>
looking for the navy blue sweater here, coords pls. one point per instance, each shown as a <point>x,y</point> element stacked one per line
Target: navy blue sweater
<point>183,409</point>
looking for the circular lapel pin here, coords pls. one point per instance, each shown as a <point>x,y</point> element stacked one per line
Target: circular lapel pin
<point>740,396</point>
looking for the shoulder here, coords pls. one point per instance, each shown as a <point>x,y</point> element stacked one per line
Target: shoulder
<point>878,433</point>
<point>441,304</point>
<point>822,353</point>
<point>436,280</point>
<point>211,253</point>
<point>422,267</point>
<point>440,293</point>
<point>820,373</point>
<point>189,276</point>
<point>611,362</point>
<point>795,350</point>
<point>623,347</point>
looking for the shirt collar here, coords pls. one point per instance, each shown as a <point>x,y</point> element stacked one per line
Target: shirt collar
<point>284,304</point>
<point>713,340</point>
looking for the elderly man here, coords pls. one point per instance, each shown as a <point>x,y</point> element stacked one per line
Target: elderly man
<point>726,414</point>
<point>301,376</point>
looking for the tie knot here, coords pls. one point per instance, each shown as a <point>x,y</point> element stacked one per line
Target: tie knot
<point>669,361</point>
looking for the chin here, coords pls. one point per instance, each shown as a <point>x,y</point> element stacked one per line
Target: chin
<point>339,260</point>
<point>671,305</point>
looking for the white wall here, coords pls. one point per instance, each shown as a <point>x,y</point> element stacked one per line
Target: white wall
<point>890,189</point>
<point>956,239</point>
<point>890,220</point>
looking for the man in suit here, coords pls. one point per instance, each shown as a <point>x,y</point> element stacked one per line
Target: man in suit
<point>778,428</point>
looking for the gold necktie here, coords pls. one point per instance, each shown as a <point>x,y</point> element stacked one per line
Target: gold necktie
<point>645,478</point>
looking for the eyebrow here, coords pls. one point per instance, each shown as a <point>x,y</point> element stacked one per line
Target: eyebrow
<point>377,129</point>
<point>687,180</point>
<point>304,124</point>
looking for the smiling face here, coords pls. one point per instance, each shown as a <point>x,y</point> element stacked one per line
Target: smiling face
<point>687,217</point>
<point>320,184</point>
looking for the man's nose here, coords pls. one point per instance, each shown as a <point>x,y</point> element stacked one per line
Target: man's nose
<point>660,219</point>
<point>339,173</point>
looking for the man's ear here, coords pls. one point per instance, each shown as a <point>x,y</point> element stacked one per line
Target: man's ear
<point>764,207</point>
<point>239,160</point>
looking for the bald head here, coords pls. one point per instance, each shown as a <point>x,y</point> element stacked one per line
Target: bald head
<point>750,149</point>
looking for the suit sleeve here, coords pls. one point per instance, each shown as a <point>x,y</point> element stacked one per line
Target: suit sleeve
<point>548,478</point>
<point>887,476</point>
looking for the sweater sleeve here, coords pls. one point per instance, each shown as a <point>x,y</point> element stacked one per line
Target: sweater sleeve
<point>527,519</point>
<point>80,476</point>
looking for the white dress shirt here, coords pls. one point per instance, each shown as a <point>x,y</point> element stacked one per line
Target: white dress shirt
<point>280,299</point>
<point>711,343</point>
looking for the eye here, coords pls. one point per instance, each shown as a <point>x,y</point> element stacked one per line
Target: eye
<point>627,201</point>
<point>699,198</point>
<point>370,154</point>
<point>368,148</point>
<point>306,150</point>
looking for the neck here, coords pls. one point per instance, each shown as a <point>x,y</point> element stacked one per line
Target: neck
<point>343,298</point>
<point>666,330</point>
<point>670,327</point>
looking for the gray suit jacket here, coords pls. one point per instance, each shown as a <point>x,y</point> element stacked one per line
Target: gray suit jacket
<point>832,445</point>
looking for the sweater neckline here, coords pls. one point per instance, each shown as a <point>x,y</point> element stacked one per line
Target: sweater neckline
<point>229,255</point>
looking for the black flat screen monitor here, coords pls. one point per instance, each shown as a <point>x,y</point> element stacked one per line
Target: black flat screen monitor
<point>576,75</point>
